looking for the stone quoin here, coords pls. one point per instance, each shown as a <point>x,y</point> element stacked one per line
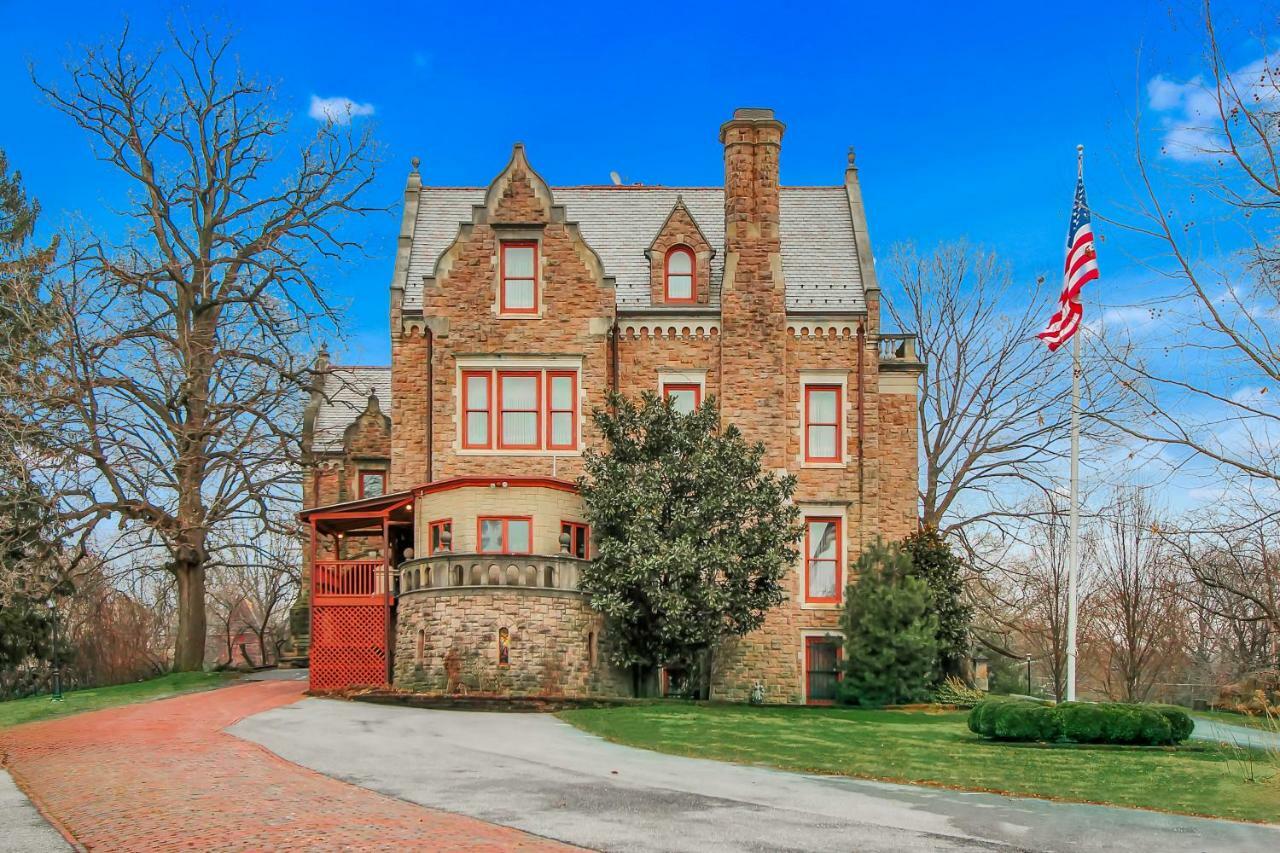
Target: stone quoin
<point>446,530</point>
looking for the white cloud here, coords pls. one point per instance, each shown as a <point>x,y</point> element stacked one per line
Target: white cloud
<point>1191,119</point>
<point>338,110</point>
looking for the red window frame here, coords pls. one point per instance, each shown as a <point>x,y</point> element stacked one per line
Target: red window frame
<point>440,524</point>
<point>668,387</point>
<point>536,376</point>
<point>809,559</point>
<point>809,422</point>
<point>693,275</point>
<point>572,411</point>
<point>574,528</point>
<point>809,643</point>
<point>372,472</point>
<point>469,407</point>
<point>533,280</point>
<point>506,533</point>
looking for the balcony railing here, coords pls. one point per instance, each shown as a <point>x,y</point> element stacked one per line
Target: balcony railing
<point>452,570</point>
<point>898,348</point>
<point>347,578</point>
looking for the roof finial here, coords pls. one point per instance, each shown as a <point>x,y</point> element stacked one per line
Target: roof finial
<point>414,162</point>
<point>852,158</point>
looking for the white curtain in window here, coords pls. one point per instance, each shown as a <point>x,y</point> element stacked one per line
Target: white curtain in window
<point>520,410</point>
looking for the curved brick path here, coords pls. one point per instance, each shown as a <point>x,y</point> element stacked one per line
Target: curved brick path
<point>164,776</point>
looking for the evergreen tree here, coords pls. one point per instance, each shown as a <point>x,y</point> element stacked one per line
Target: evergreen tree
<point>694,535</point>
<point>933,561</point>
<point>891,633</point>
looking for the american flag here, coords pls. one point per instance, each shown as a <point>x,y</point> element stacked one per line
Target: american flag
<point>1081,267</point>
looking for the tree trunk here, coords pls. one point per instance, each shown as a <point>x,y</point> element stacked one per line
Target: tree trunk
<point>188,653</point>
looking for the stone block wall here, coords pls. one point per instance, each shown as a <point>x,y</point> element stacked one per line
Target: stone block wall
<point>447,640</point>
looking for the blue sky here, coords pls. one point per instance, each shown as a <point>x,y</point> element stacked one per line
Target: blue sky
<point>965,118</point>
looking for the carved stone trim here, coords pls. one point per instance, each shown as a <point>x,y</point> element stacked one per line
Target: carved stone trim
<point>818,327</point>
<point>669,327</point>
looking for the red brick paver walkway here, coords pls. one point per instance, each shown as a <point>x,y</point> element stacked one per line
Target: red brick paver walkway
<point>164,776</point>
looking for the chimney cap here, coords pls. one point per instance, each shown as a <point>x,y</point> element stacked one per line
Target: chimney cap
<point>753,112</point>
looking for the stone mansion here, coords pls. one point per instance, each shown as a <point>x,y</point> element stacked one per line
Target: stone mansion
<point>446,530</point>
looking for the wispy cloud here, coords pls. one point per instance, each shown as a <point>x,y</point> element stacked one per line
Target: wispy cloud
<point>1191,121</point>
<point>338,110</point>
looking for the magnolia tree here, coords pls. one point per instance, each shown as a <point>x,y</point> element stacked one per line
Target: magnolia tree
<point>694,536</point>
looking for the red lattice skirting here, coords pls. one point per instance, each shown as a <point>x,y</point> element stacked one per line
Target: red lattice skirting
<point>348,646</point>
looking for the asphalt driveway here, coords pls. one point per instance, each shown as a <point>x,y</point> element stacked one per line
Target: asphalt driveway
<point>535,773</point>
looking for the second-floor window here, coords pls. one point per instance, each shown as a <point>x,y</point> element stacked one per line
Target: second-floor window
<point>520,410</point>
<point>822,423</point>
<point>684,397</point>
<point>822,549</point>
<point>441,535</point>
<point>519,287</point>
<point>579,538</point>
<point>505,535</point>
<point>678,278</point>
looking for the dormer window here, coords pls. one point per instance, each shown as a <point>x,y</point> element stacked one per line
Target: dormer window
<point>679,281</point>
<point>519,287</point>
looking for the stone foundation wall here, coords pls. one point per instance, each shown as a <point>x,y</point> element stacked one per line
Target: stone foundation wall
<point>555,644</point>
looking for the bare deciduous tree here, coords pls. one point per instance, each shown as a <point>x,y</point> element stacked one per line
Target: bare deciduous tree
<point>995,404</point>
<point>180,346</point>
<point>1137,619</point>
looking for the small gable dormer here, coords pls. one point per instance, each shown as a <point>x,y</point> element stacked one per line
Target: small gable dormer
<point>680,261</point>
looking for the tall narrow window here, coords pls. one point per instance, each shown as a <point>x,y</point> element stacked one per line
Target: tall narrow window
<point>579,537</point>
<point>519,278</point>
<point>684,397</point>
<point>441,535</point>
<point>373,484</point>
<point>822,423</point>
<point>518,423</point>
<point>505,535</point>
<point>504,647</point>
<point>562,399</point>
<point>678,277</point>
<point>822,560</point>
<point>477,403</point>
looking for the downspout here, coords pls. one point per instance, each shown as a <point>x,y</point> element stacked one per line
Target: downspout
<point>431,404</point>
<point>613,356</point>
<point>862,354</point>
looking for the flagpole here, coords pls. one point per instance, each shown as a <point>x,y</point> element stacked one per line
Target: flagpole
<point>1073,566</point>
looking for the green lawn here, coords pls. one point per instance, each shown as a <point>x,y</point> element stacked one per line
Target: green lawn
<point>35,708</point>
<point>938,749</point>
<point>1233,719</point>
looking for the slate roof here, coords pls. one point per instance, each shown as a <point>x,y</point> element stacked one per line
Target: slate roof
<point>345,396</point>
<point>819,252</point>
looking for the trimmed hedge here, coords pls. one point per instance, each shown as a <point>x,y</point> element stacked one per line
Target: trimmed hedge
<point>1004,718</point>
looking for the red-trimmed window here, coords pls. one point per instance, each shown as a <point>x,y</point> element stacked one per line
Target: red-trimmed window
<point>562,410</point>
<point>519,410</point>
<point>477,407</point>
<point>519,279</point>
<point>684,397</point>
<point>505,535</point>
<point>441,535</point>
<point>519,415</point>
<point>822,423</point>
<point>821,669</point>
<point>373,484</point>
<point>579,538</point>
<point>822,549</point>
<point>679,281</point>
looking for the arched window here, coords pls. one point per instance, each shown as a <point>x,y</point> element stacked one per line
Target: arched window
<point>679,283</point>
<point>504,647</point>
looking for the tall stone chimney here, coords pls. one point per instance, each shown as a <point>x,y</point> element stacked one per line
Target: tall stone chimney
<point>753,301</point>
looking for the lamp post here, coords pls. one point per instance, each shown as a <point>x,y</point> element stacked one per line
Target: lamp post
<point>1028,675</point>
<point>57,669</point>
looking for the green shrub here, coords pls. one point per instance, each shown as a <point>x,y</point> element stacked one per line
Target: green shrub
<point>1180,723</point>
<point>1080,722</point>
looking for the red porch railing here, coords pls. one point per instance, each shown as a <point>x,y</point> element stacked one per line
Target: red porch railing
<point>348,578</point>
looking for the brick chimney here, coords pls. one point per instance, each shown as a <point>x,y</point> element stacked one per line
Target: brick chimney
<point>753,302</point>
